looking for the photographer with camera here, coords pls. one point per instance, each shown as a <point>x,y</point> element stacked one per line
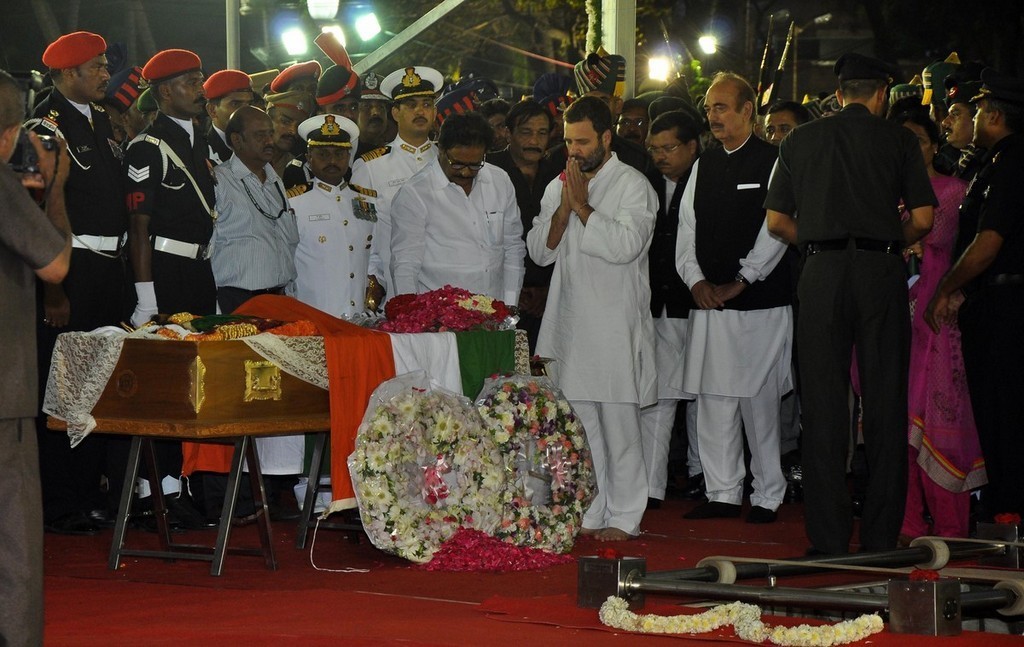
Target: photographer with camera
<point>32,244</point>
<point>94,293</point>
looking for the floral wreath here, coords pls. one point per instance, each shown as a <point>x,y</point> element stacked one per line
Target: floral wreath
<point>545,448</point>
<point>745,620</point>
<point>423,467</point>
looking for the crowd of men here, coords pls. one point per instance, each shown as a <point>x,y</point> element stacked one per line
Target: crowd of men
<point>655,247</point>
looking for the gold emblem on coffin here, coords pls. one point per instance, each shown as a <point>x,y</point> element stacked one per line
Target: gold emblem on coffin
<point>262,381</point>
<point>196,388</point>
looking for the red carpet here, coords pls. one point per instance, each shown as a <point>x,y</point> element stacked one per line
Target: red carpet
<point>153,602</point>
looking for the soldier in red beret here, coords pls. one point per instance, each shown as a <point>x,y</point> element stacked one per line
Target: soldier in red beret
<point>170,198</point>
<point>94,291</point>
<point>301,77</point>
<point>226,92</point>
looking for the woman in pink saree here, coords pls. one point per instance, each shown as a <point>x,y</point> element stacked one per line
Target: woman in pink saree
<point>945,461</point>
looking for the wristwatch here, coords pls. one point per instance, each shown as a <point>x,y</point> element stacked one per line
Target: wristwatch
<point>742,279</point>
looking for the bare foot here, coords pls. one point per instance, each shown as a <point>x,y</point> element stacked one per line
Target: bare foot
<point>613,534</point>
<point>590,532</point>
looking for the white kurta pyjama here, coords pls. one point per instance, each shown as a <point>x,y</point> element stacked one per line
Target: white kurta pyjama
<point>738,364</point>
<point>597,327</point>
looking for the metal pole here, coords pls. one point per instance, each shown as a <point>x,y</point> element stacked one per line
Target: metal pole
<point>231,10</point>
<point>406,35</point>
<point>781,596</point>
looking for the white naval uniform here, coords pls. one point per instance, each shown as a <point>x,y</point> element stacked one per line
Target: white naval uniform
<point>336,233</point>
<point>385,173</point>
<point>441,236</point>
<point>597,327</point>
<point>738,364</point>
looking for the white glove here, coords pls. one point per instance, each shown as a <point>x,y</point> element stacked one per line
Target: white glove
<point>145,306</point>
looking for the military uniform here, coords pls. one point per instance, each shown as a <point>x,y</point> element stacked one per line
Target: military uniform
<point>97,286</point>
<point>220,152</point>
<point>991,324</point>
<point>180,224</point>
<point>844,177</point>
<point>297,177</point>
<point>385,170</point>
<point>336,233</point>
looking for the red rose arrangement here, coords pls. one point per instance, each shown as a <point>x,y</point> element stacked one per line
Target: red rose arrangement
<point>447,309</point>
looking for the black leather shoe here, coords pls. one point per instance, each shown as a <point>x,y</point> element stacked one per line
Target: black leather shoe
<point>101,518</point>
<point>714,510</point>
<point>758,514</point>
<point>73,523</point>
<point>181,509</point>
<point>694,490</point>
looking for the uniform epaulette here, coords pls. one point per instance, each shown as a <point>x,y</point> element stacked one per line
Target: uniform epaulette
<point>296,162</point>
<point>375,153</point>
<point>297,190</point>
<point>149,139</point>
<point>370,193</point>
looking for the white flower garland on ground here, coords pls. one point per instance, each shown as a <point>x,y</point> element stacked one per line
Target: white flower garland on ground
<point>423,467</point>
<point>545,449</point>
<point>745,620</point>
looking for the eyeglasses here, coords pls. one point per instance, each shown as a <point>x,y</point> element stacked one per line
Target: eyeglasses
<point>662,150</point>
<point>639,122</point>
<point>460,166</point>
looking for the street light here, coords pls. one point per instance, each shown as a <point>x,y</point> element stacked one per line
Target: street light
<point>367,26</point>
<point>708,44</point>
<point>294,41</point>
<point>815,22</point>
<point>322,9</point>
<point>659,68</point>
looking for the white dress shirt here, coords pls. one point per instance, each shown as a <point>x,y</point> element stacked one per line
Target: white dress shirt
<point>441,236</point>
<point>336,231</point>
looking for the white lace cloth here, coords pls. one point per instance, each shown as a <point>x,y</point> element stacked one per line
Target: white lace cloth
<point>84,361</point>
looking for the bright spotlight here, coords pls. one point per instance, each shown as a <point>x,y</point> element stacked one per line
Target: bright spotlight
<point>294,41</point>
<point>322,9</point>
<point>658,68</point>
<point>367,26</point>
<point>708,44</point>
<point>336,30</point>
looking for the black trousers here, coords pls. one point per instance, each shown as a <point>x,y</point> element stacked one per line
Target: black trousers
<point>991,324</point>
<point>98,289</point>
<point>853,299</point>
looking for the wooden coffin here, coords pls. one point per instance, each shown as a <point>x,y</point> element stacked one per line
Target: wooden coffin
<point>207,382</point>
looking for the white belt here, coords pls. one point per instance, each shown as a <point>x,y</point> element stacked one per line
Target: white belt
<point>96,243</point>
<point>178,248</point>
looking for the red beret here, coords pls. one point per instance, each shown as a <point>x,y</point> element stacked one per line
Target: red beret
<point>225,82</point>
<point>309,69</point>
<point>72,50</point>
<point>170,63</point>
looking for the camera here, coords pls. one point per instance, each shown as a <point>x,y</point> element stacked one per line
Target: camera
<point>25,159</point>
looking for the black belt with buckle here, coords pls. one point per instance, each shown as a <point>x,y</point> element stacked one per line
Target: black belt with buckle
<point>278,290</point>
<point>1006,279</point>
<point>894,247</point>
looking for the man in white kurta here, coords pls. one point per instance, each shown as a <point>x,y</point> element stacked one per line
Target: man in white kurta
<point>456,222</point>
<point>596,227</point>
<point>386,169</point>
<point>740,337</point>
<point>336,223</point>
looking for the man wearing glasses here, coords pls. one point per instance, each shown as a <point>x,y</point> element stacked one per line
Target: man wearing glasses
<point>456,222</point>
<point>384,170</point>
<point>255,235</point>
